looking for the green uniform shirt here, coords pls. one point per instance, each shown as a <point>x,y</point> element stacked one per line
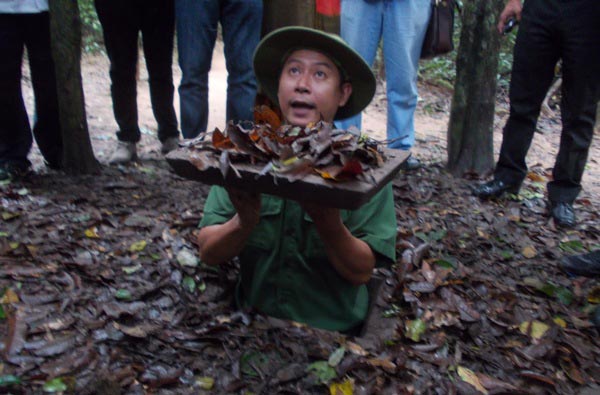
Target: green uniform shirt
<point>285,271</point>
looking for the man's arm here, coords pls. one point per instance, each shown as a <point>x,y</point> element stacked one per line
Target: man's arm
<point>512,10</point>
<point>221,242</point>
<point>351,257</point>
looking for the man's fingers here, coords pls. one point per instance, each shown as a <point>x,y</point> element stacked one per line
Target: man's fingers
<point>504,16</point>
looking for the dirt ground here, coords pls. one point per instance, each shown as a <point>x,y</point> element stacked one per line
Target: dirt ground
<point>102,291</point>
<point>430,121</point>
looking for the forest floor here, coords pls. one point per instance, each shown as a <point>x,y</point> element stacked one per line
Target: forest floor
<point>102,292</point>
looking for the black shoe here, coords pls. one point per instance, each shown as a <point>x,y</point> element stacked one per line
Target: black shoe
<point>13,170</point>
<point>563,214</point>
<point>587,265</point>
<point>411,163</point>
<point>494,189</point>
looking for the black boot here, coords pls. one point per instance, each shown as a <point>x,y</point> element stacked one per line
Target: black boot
<point>563,214</point>
<point>494,189</point>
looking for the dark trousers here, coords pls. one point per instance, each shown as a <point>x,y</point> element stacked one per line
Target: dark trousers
<point>122,21</point>
<point>32,31</point>
<point>551,30</point>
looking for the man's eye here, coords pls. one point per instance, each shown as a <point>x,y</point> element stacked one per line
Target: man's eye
<point>294,70</point>
<point>320,74</point>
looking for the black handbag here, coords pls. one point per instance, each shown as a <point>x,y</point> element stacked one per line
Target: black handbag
<point>438,39</point>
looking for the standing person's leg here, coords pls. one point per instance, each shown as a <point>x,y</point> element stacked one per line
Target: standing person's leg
<point>158,33</point>
<point>361,24</point>
<point>197,22</point>
<point>46,129</point>
<point>241,21</point>
<point>15,132</point>
<point>580,95</point>
<point>404,27</point>
<point>535,56</point>
<point>120,26</point>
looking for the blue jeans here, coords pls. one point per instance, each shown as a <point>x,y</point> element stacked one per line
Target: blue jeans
<point>197,22</point>
<point>402,25</point>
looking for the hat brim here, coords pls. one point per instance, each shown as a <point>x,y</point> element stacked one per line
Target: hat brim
<point>268,61</point>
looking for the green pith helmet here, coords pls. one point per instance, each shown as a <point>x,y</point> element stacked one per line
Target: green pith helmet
<point>274,47</point>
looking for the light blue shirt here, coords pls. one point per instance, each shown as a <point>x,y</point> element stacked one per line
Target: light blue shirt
<point>23,6</point>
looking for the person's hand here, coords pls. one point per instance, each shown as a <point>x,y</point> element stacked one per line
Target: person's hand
<point>247,206</point>
<point>350,256</point>
<point>512,10</point>
<point>327,217</point>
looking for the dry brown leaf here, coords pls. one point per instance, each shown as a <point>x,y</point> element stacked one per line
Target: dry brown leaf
<point>264,114</point>
<point>9,297</point>
<point>467,375</point>
<point>535,329</point>
<point>529,252</point>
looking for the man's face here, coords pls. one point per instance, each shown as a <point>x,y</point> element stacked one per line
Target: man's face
<point>310,88</point>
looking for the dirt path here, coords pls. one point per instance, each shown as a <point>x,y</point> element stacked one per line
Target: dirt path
<point>103,292</point>
<point>431,120</point>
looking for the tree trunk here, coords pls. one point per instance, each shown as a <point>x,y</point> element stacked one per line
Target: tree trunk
<point>470,130</point>
<point>317,14</point>
<point>65,33</point>
<point>281,13</point>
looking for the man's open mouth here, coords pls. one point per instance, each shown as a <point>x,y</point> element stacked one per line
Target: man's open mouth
<point>297,104</point>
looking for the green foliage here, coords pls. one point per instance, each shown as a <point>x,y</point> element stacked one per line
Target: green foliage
<point>9,380</point>
<point>91,30</point>
<point>252,362</point>
<point>323,371</point>
<point>336,357</point>
<point>561,293</point>
<point>506,59</point>
<point>572,247</point>
<point>54,385</point>
<point>415,329</point>
<point>441,71</point>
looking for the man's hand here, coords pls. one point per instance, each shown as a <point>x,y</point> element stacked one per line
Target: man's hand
<point>221,242</point>
<point>326,218</point>
<point>351,257</point>
<point>512,10</point>
<point>247,206</point>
